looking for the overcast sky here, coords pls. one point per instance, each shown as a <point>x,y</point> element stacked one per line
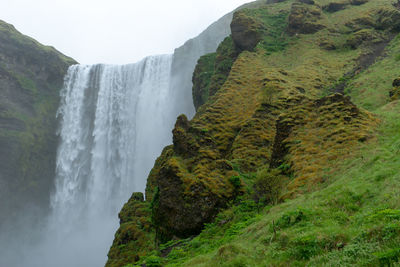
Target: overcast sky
<point>113,31</point>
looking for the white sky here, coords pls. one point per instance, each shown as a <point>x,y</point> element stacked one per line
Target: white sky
<point>113,31</point>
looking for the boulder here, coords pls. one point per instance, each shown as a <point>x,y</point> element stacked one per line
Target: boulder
<point>335,6</point>
<point>394,93</point>
<point>358,2</point>
<point>388,19</point>
<point>246,31</point>
<point>361,36</point>
<point>304,19</point>
<point>396,82</point>
<point>135,235</point>
<point>308,2</point>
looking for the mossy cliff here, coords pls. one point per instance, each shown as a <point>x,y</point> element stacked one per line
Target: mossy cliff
<point>253,178</point>
<point>31,76</point>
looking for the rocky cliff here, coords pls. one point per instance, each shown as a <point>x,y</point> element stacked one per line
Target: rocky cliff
<point>283,102</point>
<point>31,76</point>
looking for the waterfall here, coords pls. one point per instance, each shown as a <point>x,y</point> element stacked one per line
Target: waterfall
<point>114,121</point>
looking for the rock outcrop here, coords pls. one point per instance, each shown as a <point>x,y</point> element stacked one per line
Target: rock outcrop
<point>247,32</point>
<point>394,93</point>
<point>135,237</point>
<point>211,72</point>
<point>305,18</point>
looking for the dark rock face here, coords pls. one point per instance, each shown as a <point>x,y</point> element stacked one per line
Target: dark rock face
<point>362,36</point>
<point>358,2</point>
<point>304,19</point>
<point>394,93</point>
<point>179,212</point>
<point>380,19</point>
<point>388,19</point>
<point>335,6</point>
<point>246,31</point>
<point>211,72</point>
<point>396,82</point>
<point>31,76</point>
<point>201,79</point>
<point>309,2</point>
<point>183,201</point>
<point>185,144</point>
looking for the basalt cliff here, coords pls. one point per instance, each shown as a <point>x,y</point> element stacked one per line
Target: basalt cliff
<point>31,77</point>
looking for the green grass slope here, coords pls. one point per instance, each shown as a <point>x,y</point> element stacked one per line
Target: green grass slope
<point>293,161</point>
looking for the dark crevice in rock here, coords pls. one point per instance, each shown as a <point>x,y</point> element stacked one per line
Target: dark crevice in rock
<point>363,62</point>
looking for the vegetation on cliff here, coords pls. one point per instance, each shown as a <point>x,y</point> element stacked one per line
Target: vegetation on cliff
<point>31,76</point>
<point>292,159</point>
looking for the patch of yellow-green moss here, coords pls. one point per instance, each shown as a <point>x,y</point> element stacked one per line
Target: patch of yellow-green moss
<point>135,237</point>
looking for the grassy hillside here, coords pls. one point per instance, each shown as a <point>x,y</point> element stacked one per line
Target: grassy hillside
<point>293,159</point>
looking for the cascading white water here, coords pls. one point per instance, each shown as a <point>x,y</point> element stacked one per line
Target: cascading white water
<point>115,120</point>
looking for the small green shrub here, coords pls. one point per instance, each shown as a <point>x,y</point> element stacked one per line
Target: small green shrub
<point>291,218</point>
<point>236,182</point>
<point>388,257</point>
<point>176,253</point>
<point>154,261</point>
<point>386,214</point>
<point>305,247</point>
<point>268,186</point>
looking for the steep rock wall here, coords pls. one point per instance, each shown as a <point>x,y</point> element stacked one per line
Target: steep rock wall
<point>31,76</point>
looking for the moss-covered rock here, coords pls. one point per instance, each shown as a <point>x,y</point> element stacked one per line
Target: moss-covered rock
<point>388,18</point>
<point>135,237</point>
<point>201,79</point>
<point>318,131</point>
<point>211,72</point>
<point>304,18</point>
<point>309,2</point>
<point>336,6</point>
<point>364,36</point>
<point>394,93</point>
<point>247,31</point>
<point>358,2</point>
<point>192,185</point>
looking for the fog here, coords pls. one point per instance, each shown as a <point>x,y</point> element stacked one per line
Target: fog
<point>114,32</point>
